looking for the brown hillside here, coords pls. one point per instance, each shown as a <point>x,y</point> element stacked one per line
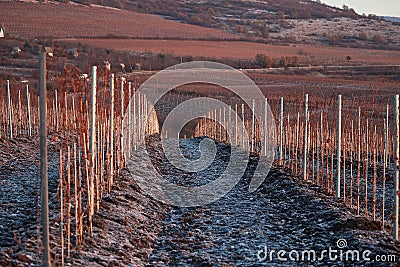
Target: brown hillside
<point>72,20</point>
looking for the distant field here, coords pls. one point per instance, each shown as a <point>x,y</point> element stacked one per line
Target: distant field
<point>67,20</point>
<point>245,50</point>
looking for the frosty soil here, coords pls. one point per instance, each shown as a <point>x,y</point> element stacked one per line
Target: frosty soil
<point>18,197</point>
<point>282,214</point>
<point>132,229</point>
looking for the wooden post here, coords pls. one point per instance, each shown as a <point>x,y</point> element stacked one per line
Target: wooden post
<point>305,151</point>
<point>43,159</point>
<point>396,167</point>
<point>339,146</point>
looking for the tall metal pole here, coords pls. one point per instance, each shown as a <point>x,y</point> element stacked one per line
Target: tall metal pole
<point>281,133</point>
<point>129,118</point>
<point>93,138</point>
<point>219,125</point>
<point>43,158</point>
<point>385,162</point>
<point>19,112</point>
<point>396,167</point>
<point>229,124</point>
<point>265,126</point>
<point>236,125</point>
<point>56,104</point>
<point>359,161</point>
<point>305,152</point>
<point>139,104</point>
<point>28,109</point>
<point>134,121</point>
<point>225,130</point>
<point>215,125</point>
<point>111,132</point>
<point>253,125</point>
<point>122,150</point>
<point>243,126</point>
<point>9,112</point>
<point>339,146</point>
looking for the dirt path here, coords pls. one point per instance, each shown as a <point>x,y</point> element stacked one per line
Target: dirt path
<point>281,215</point>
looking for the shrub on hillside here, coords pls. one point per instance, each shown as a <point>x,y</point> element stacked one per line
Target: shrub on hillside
<point>264,61</point>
